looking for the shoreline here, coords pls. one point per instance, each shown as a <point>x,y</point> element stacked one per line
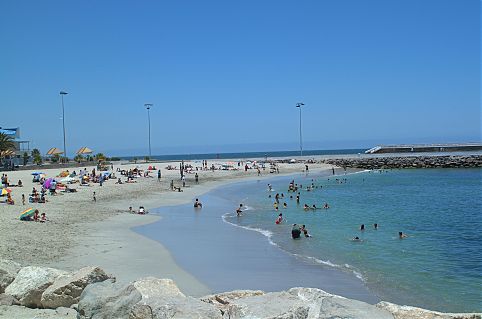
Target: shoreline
<point>140,253</point>
<point>108,240</point>
<point>246,265</point>
<point>81,232</point>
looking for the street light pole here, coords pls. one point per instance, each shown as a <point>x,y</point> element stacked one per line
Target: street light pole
<point>62,93</point>
<point>148,107</point>
<point>299,105</point>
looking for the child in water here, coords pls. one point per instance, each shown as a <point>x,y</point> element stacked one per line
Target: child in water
<point>279,220</point>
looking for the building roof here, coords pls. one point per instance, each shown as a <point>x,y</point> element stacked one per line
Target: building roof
<point>8,131</point>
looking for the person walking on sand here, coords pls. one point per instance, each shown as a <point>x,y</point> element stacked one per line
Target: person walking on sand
<point>196,178</point>
<point>94,198</point>
<point>23,199</point>
<point>159,175</point>
<point>183,181</point>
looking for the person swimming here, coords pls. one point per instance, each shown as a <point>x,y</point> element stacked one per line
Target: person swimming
<point>198,204</point>
<point>305,231</point>
<point>401,235</point>
<point>375,226</point>
<point>306,207</point>
<point>279,220</point>
<point>285,205</point>
<point>362,227</point>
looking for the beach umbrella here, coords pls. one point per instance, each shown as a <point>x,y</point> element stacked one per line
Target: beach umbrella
<point>48,182</point>
<point>4,191</point>
<point>84,150</point>
<point>54,151</point>
<point>27,212</point>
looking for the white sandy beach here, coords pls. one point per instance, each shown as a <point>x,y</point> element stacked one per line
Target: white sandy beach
<point>80,232</point>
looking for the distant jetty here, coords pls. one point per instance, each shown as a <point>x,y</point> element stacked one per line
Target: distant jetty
<point>418,148</point>
<point>389,162</point>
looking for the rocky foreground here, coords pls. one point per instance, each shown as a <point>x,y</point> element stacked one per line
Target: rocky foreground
<point>90,293</point>
<point>451,161</point>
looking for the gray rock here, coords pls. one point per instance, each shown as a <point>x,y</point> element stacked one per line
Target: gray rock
<point>301,303</point>
<point>407,312</point>
<point>146,298</point>
<point>7,300</point>
<point>65,290</point>
<point>19,312</point>
<point>227,297</point>
<point>30,283</point>
<point>8,271</point>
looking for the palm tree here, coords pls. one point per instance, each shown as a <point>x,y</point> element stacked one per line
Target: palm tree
<point>100,157</point>
<point>78,158</point>
<point>6,144</point>
<point>37,158</point>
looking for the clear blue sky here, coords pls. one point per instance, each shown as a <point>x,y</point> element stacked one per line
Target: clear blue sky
<point>225,75</point>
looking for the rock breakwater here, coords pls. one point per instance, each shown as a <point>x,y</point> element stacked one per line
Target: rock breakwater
<point>90,293</point>
<point>371,163</point>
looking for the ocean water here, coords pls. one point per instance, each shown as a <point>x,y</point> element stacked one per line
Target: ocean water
<point>438,266</point>
<point>242,155</point>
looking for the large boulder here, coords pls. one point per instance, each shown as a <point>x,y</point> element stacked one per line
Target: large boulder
<point>150,298</point>
<point>66,290</point>
<point>407,312</point>
<point>8,271</point>
<point>18,312</point>
<point>300,303</point>
<point>30,283</point>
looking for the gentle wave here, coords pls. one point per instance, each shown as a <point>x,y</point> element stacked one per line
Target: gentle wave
<point>268,234</point>
<point>264,232</point>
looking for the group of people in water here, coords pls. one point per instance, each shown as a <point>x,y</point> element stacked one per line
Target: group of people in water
<point>141,211</point>
<point>298,230</point>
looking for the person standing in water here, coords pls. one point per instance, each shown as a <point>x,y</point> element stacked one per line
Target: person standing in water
<point>279,220</point>
<point>239,210</point>
<point>295,231</point>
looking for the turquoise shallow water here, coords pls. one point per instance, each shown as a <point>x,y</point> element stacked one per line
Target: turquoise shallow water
<point>439,266</point>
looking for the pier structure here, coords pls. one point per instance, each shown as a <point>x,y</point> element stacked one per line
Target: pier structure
<point>418,148</point>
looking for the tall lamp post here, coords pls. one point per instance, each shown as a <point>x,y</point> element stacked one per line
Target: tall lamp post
<point>62,93</point>
<point>299,105</point>
<point>148,107</point>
